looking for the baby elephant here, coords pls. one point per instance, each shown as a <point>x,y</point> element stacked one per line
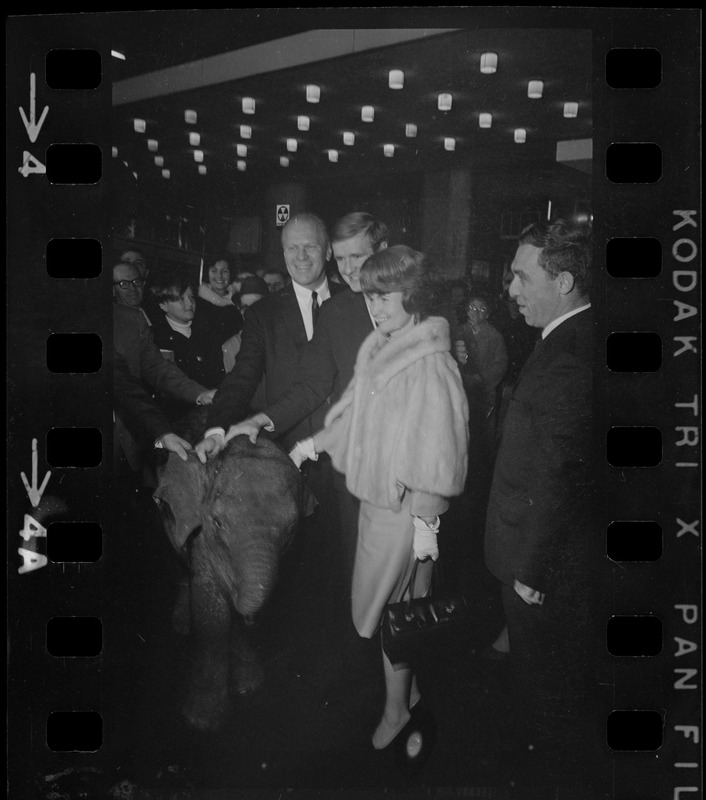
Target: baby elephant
<point>229,520</point>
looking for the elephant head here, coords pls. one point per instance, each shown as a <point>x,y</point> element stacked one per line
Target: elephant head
<point>243,506</point>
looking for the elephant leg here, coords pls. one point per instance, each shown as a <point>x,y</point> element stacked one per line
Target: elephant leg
<point>181,614</point>
<point>207,703</point>
<point>246,672</point>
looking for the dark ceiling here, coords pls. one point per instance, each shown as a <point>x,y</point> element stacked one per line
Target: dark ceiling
<point>442,63</point>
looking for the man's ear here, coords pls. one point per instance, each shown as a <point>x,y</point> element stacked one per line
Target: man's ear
<point>566,282</point>
<point>163,307</point>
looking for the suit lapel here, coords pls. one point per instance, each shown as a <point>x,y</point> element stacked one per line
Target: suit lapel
<point>290,315</point>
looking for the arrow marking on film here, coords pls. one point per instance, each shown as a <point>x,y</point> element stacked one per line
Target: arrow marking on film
<point>33,127</point>
<point>34,493</point>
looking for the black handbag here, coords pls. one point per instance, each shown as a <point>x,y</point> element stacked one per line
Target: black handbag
<point>416,624</point>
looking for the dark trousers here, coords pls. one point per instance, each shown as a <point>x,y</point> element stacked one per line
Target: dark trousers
<point>553,681</point>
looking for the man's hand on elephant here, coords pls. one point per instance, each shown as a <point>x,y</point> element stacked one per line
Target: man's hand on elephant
<point>205,398</point>
<point>209,447</point>
<point>250,427</point>
<point>175,444</point>
<point>531,596</point>
<point>425,544</point>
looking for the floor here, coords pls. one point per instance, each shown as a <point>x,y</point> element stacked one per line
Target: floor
<point>306,733</point>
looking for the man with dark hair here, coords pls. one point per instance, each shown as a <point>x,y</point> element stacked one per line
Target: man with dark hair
<point>541,537</point>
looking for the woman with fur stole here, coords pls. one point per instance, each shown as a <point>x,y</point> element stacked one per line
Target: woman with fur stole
<point>399,434</point>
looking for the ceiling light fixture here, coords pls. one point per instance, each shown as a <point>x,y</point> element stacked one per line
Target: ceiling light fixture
<point>388,150</point>
<point>292,145</point>
<point>396,79</point>
<point>202,169</point>
<point>166,173</point>
<point>245,132</point>
<point>449,143</point>
<point>520,135</point>
<point>488,63</point>
<point>117,54</point>
<point>485,120</point>
<point>194,139</point>
<point>248,105</point>
<point>283,161</point>
<point>242,166</point>
<point>114,152</point>
<point>367,113</point>
<point>190,116</point>
<point>333,156</point>
<point>445,101</point>
<point>348,138</point>
<point>140,125</point>
<point>242,150</point>
<point>303,123</point>
<point>571,110</point>
<point>152,145</point>
<point>410,130</point>
<point>535,89</point>
<point>198,156</point>
<point>313,93</point>
<point>159,161</point>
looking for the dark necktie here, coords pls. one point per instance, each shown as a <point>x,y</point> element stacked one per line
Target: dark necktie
<point>314,308</point>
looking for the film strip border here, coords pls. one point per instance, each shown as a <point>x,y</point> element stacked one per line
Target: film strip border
<point>647,233</point>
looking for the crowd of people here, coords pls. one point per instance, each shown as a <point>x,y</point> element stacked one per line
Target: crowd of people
<point>380,386</point>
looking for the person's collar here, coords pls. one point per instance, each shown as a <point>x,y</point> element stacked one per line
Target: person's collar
<point>304,292</point>
<point>184,328</point>
<point>555,323</point>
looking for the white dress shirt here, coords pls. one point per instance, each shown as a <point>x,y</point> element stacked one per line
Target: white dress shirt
<point>303,295</point>
<point>555,323</point>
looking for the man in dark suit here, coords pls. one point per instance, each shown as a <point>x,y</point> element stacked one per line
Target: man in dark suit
<point>541,535</point>
<point>132,341</point>
<point>275,334</point>
<point>327,363</point>
<point>138,411</point>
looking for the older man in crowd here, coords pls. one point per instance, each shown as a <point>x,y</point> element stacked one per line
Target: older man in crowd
<point>542,539</point>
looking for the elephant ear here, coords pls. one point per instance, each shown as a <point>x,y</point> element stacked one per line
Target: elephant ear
<point>179,495</point>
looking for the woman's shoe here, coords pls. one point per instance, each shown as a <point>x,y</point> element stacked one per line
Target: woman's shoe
<point>385,734</point>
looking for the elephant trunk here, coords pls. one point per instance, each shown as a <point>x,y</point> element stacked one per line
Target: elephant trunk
<point>245,565</point>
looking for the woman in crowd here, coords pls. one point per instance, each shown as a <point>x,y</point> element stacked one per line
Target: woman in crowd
<point>216,302</point>
<point>399,434</point>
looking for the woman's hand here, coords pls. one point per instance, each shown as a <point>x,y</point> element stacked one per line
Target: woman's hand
<point>302,451</point>
<point>425,544</point>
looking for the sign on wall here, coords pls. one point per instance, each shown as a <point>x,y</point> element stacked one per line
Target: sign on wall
<point>282,215</point>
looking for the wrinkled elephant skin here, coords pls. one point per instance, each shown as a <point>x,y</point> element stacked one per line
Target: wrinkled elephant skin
<point>230,520</point>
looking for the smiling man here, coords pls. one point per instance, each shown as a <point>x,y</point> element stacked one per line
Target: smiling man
<point>327,362</point>
<point>275,334</point>
<point>542,538</point>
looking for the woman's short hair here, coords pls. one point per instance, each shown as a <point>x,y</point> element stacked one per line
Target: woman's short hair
<point>401,269</point>
<point>170,286</point>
